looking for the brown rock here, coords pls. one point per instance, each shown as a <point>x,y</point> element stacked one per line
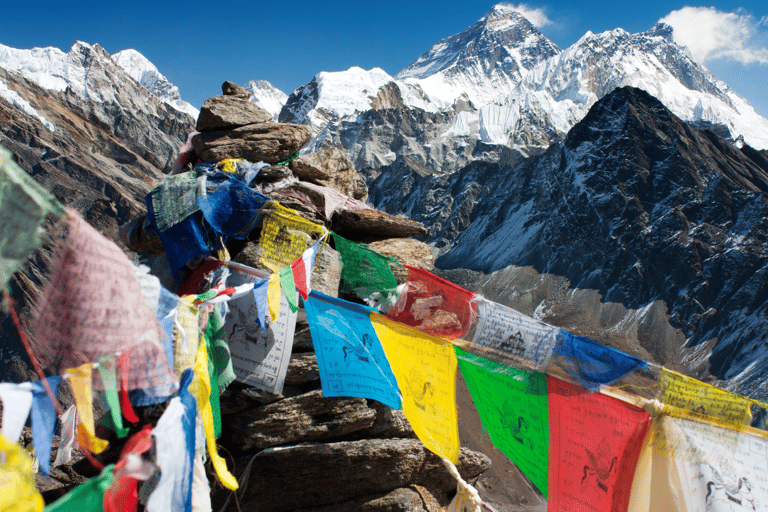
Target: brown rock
<point>326,274</point>
<point>139,235</point>
<point>390,424</point>
<point>302,369</point>
<point>406,499</point>
<point>226,112</point>
<point>268,142</point>
<point>325,474</point>
<point>307,417</point>
<point>232,89</point>
<point>373,225</point>
<point>302,338</point>
<point>407,251</point>
<point>330,167</point>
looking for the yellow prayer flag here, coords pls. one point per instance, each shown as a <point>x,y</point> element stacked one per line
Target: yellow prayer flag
<point>201,388</point>
<point>80,381</point>
<point>273,295</point>
<point>425,368</point>
<point>695,396</point>
<point>229,165</point>
<point>285,235</point>
<point>185,340</point>
<point>17,480</point>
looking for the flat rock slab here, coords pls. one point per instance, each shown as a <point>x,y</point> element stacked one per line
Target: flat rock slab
<point>331,167</point>
<point>304,418</point>
<point>407,251</point>
<point>226,112</point>
<point>325,474</point>
<point>268,142</point>
<point>390,423</point>
<point>374,225</point>
<point>414,498</point>
<point>302,369</point>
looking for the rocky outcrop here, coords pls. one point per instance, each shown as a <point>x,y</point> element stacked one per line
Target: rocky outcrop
<point>268,142</point>
<point>225,112</point>
<point>374,225</point>
<point>330,167</point>
<point>407,251</point>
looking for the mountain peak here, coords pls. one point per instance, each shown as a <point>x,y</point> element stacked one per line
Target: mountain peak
<point>504,17</point>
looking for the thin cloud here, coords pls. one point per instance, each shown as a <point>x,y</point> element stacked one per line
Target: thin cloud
<point>710,34</point>
<point>535,15</point>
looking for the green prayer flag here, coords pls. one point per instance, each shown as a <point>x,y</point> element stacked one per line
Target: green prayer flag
<point>109,378</point>
<point>289,288</point>
<point>512,404</point>
<point>86,496</point>
<point>365,272</point>
<point>218,348</point>
<point>24,204</point>
<point>214,383</point>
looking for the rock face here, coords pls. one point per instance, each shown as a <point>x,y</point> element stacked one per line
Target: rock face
<point>330,167</point>
<point>407,251</point>
<point>268,142</point>
<point>372,468</point>
<point>229,111</point>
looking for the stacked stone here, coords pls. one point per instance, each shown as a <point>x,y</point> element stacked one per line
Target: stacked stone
<point>363,455</point>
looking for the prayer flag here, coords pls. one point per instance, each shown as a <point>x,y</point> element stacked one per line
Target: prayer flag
<point>186,335</point>
<point>285,235</point>
<point>68,440</point>
<point>425,368</point>
<point>594,445</point>
<point>125,403</point>
<point>109,380</point>
<point>433,305</point>
<point>219,349</point>
<point>349,355</point>
<point>260,298</point>
<point>86,496</point>
<point>80,381</point>
<point>43,421</point>
<point>232,209</point>
<point>17,401</point>
<point>274,296</point>
<point>692,395</point>
<point>302,270</point>
<point>17,479</point>
<point>289,289</point>
<point>594,364</point>
<point>512,404</point>
<point>365,272</point>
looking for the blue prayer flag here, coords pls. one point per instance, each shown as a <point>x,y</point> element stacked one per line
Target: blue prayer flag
<point>43,421</point>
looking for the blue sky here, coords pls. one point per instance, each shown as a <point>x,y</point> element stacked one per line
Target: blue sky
<point>199,45</point>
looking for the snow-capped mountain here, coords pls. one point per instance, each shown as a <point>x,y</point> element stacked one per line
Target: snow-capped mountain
<point>267,96</point>
<point>146,73</point>
<point>88,72</point>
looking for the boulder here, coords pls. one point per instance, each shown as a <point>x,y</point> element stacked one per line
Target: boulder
<point>390,423</point>
<point>304,418</point>
<point>232,89</point>
<point>268,142</point>
<point>302,369</point>
<point>336,473</point>
<point>330,167</point>
<point>407,251</point>
<point>374,225</point>
<point>226,112</point>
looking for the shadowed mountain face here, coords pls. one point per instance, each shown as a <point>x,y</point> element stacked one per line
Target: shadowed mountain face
<point>634,204</point>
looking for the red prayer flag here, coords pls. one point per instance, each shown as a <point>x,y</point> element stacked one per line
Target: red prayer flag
<point>125,402</point>
<point>594,444</point>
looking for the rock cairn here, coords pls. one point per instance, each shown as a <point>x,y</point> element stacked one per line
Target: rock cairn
<point>302,451</point>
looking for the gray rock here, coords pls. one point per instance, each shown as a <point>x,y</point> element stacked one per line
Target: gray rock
<point>232,89</point>
<point>304,418</point>
<point>336,473</point>
<point>268,142</point>
<point>390,424</point>
<point>302,369</point>
<point>326,274</point>
<point>406,499</point>
<point>374,225</point>
<point>302,338</point>
<point>226,112</point>
<point>407,251</point>
<point>330,167</point>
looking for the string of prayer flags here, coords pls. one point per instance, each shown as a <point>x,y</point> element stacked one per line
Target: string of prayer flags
<point>18,492</point>
<point>202,391</point>
<point>175,452</point>
<point>260,357</point>
<point>17,401</point>
<point>43,422</point>
<point>425,368</point>
<point>301,268</point>
<point>92,306</point>
<point>507,334</point>
<point>285,235</point>
<point>692,395</point>
<point>24,205</point>
<point>512,404</point>
<point>80,381</point>
<point>365,272</point>
<point>109,381</point>
<point>594,445</point>
<point>175,199</point>
<point>433,305</point>
<point>289,289</point>
<point>86,496</point>
<point>232,209</point>
<point>594,364</point>
<point>349,356</point>
<point>68,439</point>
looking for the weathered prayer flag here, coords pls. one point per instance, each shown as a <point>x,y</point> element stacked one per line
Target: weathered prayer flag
<point>594,444</point>
<point>302,270</point>
<point>693,395</point>
<point>289,289</point>
<point>17,479</point>
<point>86,496</point>
<point>425,368</point>
<point>17,401</point>
<point>512,404</point>
<point>285,235</point>
<point>349,355</point>
<point>433,305</point>
<point>24,204</point>
<point>366,272</point>
<point>43,421</point>
<point>80,379</point>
